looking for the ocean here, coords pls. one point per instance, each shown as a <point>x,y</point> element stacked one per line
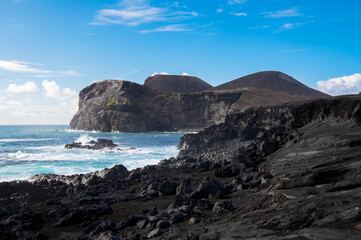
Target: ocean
<point>29,150</point>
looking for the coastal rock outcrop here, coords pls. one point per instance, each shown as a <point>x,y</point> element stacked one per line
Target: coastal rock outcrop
<point>179,103</point>
<point>129,107</point>
<point>286,172</point>
<point>92,145</point>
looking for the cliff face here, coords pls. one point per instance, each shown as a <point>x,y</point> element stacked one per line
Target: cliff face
<point>124,106</point>
<point>169,102</point>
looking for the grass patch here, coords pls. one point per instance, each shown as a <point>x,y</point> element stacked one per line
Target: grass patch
<point>111,102</point>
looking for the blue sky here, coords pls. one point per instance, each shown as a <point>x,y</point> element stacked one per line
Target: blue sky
<point>51,49</point>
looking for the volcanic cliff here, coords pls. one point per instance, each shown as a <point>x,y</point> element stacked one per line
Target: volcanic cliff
<point>171,103</point>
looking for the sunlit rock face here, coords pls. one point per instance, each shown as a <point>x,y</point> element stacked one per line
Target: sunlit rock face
<point>180,103</point>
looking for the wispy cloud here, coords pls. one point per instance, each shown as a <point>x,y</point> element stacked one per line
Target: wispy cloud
<point>232,2</point>
<point>260,27</point>
<point>341,85</point>
<point>133,13</point>
<point>19,66</point>
<point>288,26</point>
<point>27,87</point>
<point>169,28</point>
<point>26,67</point>
<point>219,10</point>
<point>240,14</point>
<point>292,12</point>
<point>70,73</point>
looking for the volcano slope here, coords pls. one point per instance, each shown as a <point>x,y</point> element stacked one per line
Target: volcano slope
<point>284,172</point>
<point>180,103</point>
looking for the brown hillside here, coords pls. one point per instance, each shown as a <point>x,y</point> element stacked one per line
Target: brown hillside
<point>176,83</point>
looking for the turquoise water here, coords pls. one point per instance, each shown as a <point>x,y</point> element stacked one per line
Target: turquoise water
<point>29,150</point>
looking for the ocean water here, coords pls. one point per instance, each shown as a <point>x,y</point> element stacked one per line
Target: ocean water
<point>29,150</point>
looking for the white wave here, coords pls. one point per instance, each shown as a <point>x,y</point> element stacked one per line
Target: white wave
<point>80,131</point>
<point>85,139</point>
<point>47,148</point>
<point>26,140</point>
<point>18,155</point>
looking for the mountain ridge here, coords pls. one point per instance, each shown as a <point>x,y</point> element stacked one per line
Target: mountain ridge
<point>124,106</point>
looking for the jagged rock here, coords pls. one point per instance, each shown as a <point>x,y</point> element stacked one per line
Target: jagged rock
<point>208,187</point>
<point>92,145</point>
<point>136,218</point>
<point>227,171</point>
<point>168,187</point>
<point>163,224</point>
<point>82,214</point>
<point>107,236</point>
<point>99,227</point>
<point>133,236</point>
<point>184,187</point>
<point>193,220</point>
<point>155,233</point>
<point>122,224</point>
<point>114,173</point>
<point>177,218</point>
<point>142,223</point>
<point>243,177</point>
<point>223,207</point>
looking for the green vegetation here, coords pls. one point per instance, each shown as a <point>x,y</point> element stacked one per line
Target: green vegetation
<point>111,102</point>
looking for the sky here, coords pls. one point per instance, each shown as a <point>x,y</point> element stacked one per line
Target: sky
<point>51,49</point>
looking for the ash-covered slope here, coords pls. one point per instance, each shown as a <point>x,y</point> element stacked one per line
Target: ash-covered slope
<point>273,81</point>
<point>259,128</point>
<point>291,172</point>
<point>176,83</point>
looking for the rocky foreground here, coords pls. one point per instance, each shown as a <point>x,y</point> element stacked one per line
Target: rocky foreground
<point>286,172</point>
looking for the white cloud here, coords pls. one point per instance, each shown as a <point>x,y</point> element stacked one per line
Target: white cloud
<point>58,105</point>
<point>161,73</point>
<point>59,113</point>
<point>21,113</point>
<point>185,74</point>
<point>240,14</point>
<point>67,73</point>
<point>341,85</point>
<point>52,90</point>
<point>169,28</point>
<point>27,87</point>
<point>288,26</point>
<point>19,66</point>
<point>26,67</point>
<point>292,12</point>
<point>232,2</point>
<point>14,103</point>
<point>219,10</point>
<point>133,13</point>
<point>70,73</point>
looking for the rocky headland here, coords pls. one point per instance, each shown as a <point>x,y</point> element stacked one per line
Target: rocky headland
<point>180,103</point>
<point>282,172</point>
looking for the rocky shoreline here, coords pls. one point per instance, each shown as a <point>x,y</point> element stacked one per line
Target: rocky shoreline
<point>284,172</point>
